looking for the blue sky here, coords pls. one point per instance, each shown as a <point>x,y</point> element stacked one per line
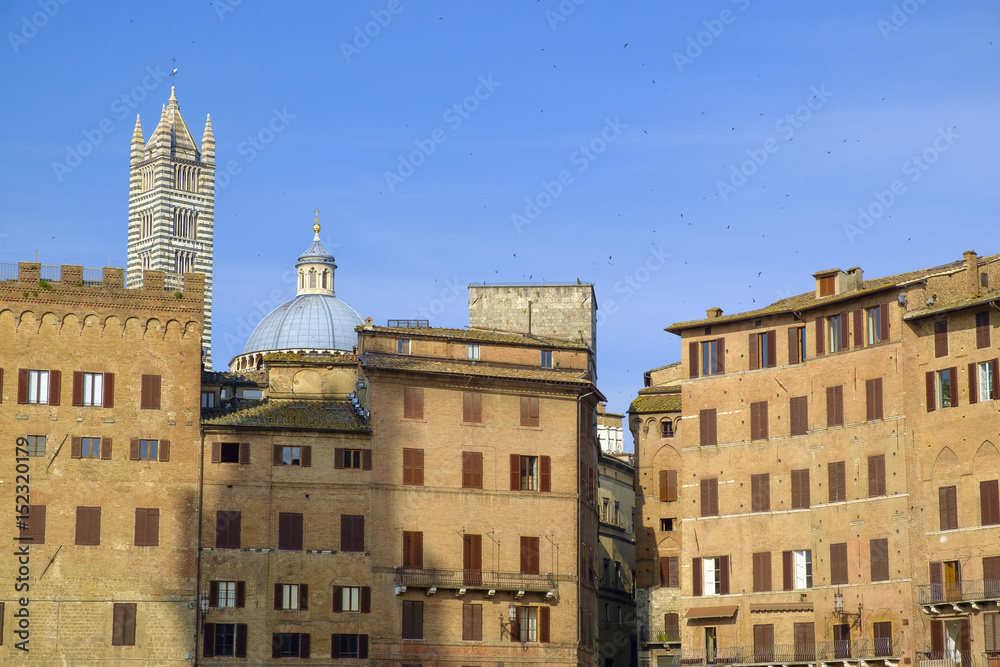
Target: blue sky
<point>678,155</point>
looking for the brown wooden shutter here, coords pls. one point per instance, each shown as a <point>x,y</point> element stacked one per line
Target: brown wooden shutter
<point>304,650</point>
<point>209,651</point>
<point>772,348</point>
<point>305,457</point>
<point>989,502</point>
<point>277,455</point>
<point>213,594</point>
<point>278,596</point>
<point>974,385</point>
<point>947,508</point>
<point>338,458</point>
<point>859,329</point>
<point>544,474</point>
<point>831,407</point>
<point>1,401</point>
<point>515,472</point>
<point>466,406</point>
<point>304,597</point>
<point>407,466</point>
<point>525,411</point>
<point>884,321</point>
<point>673,572</point>
<point>216,452</point>
<point>793,345</point>
<point>284,530</point>
<point>241,640</point>
<point>529,555</point>
<point>954,386</point>
<point>671,625</point>
<point>931,394</point>
<point>845,343</point>
<point>995,370</point>
<point>671,485</point>
<point>720,355</point>
<point>55,387</point>
<point>876,475</point>
<point>705,499</point>
<point>82,534</point>
<point>754,351</point>
<point>108,400</point>
<point>940,339</point>
<point>799,406</point>
<point>879,555</point>
<point>692,363</point>
<point>76,448</point>
<point>879,408</point>
<point>244,453</point>
<point>869,400</point>
<point>937,639</point>
<point>335,646</point>
<point>515,626</point>
<point>106,445</point>
<point>788,581</point>
<point>153,527</point>
<point>696,576</point>
<point>820,337</point>
<point>338,598</point>
<point>724,575</point>
<point>118,625</point>
<point>77,388</point>
<point>163,450</point>
<point>663,486</point>
<point>418,466</point>
<point>133,452</point>
<point>22,385</point>
<point>543,625</point>
<point>466,622</point>
<point>965,636</point>
<point>533,402</point>
<point>241,593</point>
<point>982,330</point>
<point>838,563</point>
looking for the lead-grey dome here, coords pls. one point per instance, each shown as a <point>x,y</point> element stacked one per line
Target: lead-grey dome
<point>307,322</point>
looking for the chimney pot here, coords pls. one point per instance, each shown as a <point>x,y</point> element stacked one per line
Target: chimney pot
<point>713,313</point>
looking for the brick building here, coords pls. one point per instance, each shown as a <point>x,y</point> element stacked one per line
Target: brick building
<point>837,473</point>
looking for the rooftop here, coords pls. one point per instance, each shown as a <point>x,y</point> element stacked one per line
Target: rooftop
<point>479,336</point>
<point>279,414</point>
<point>244,379</point>
<point>455,367</point>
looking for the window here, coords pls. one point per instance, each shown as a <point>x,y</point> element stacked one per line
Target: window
<point>529,411</point>
<point>837,332</point>
<point>529,555</point>
<point>347,599</point>
<point>983,381</point>
<point>123,624</point>
<point>31,526</point>
<point>804,635</point>
<point>147,527</point>
<point>763,642</point>
<point>713,355</point>
<point>528,624</point>
<point>149,395</point>
<point>253,394</point>
<point>762,350</point>
<point>413,619</point>
<point>991,632</point>
<point>940,339</point>
<point>231,452</point>
<point>948,507</point>
<point>762,572</point>
<point>837,481</point>
<point>226,593</point>
<point>413,403</point>
<point>227,530</point>
<point>708,433</point>
<point>668,486</point>
<point>88,526</point>
<point>876,475</point>
<point>473,352</point>
<point>667,525</point>
<point>710,497</point>
<point>147,449</point>
<point>413,467</point>
<point>796,345</point>
<point>873,399</point>
<point>879,553</point>
<point>349,646</point>
<point>989,502</point>
<point>40,387</point>
<point>711,575</point>
<point>352,532</point>
<point>86,448</point>
<point>413,550</point>
<point>800,489</point>
<point>472,622</point>
<point>838,563</point>
<point>472,470</point>
<point>546,358</point>
<point>670,572</point>
<point>291,455</point>
<point>208,399</point>
<point>672,626</point>
<point>226,639</point>
<point>982,331</point>
<point>402,346</point>
<point>530,473</point>
<point>290,645</point>
<point>93,389</point>
<point>291,597</point>
<point>760,493</point>
<point>827,286</point>
<point>942,389</point>
<point>798,407</point>
<point>289,531</point>
<point>356,459</point>
<point>835,406</point>
<point>797,569</point>
<point>758,421</point>
<point>666,429</point>
<point>877,324</point>
<point>472,407</point>
<point>35,445</point>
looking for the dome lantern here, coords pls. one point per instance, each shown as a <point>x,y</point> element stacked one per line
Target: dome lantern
<point>316,267</point>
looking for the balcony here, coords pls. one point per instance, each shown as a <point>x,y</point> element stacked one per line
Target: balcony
<point>958,659</point>
<point>609,518</point>
<point>839,652</point>
<point>478,580</point>
<point>950,596</point>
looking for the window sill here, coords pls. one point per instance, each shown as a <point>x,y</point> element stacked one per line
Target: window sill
<point>530,428</point>
<point>473,424</point>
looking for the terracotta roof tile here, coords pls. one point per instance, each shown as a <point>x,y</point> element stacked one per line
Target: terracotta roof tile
<point>480,335</point>
<point>656,403</point>
<point>244,379</point>
<point>450,366</point>
<point>278,414</point>
<point>955,304</point>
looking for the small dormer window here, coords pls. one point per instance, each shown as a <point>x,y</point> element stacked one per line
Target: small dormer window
<point>402,346</point>
<point>827,286</point>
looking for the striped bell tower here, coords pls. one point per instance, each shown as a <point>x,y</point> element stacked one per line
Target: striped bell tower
<point>171,207</point>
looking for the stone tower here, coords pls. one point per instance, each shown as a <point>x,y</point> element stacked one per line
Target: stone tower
<point>171,207</point>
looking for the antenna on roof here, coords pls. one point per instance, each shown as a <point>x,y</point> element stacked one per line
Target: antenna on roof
<point>173,75</point>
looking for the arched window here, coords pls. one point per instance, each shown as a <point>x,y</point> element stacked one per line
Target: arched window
<point>312,277</point>
<point>324,279</point>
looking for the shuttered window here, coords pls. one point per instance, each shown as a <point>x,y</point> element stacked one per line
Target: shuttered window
<point>472,558</point>
<point>413,619</point>
<point>991,632</point>
<point>798,407</point>
<point>227,530</point>
<point>838,563</point>
<point>873,399</point>
<point>837,481</point>
<point>147,527</point>
<point>991,577</point>
<point>800,489</point>
<point>290,645</point>
<point>835,406</point>
<point>760,493</point>
<point>41,387</point>
<point>693,365</point>
<point>472,407</point>
<point>413,550</point>
<point>948,507</point>
<point>763,350</point>
<point>149,392</point>
<point>707,428</point>
<point>352,532</point>
<point>672,626</point>
<point>225,639</point>
<point>758,421</point>
<point>534,473</point>
<point>413,403</point>
<point>227,593</point>
<point>413,467</point>
<point>982,330</point>
<point>762,572</point>
<point>989,502</point>
<point>31,527</point>
<point>796,569</point>
<point>88,526</point>
<point>290,531</point>
<point>123,624</point>
<point>879,551</point>
<point>876,475</point>
<point>940,339</point>
<point>710,497</point>
<point>529,411</point>
<point>356,599</point>
<point>668,486</point>
<point>529,555</point>
<point>669,572</point>
<point>763,642</point>
<point>94,389</point>
<point>796,345</point>
<point>349,646</point>
<point>472,470</point>
<point>882,634</point>
<point>804,635</point>
<point>472,622</point>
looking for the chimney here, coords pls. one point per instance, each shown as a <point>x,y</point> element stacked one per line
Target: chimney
<point>855,278</point>
<point>972,270</point>
<point>713,313</point>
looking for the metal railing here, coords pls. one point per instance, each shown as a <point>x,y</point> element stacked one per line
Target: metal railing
<point>475,579</point>
<point>618,521</point>
<point>960,591</point>
<point>858,649</point>
<point>93,277</point>
<point>8,271</point>
<point>173,282</point>
<point>955,659</point>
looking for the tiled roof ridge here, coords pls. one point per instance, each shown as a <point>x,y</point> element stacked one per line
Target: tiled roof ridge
<point>480,335</point>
